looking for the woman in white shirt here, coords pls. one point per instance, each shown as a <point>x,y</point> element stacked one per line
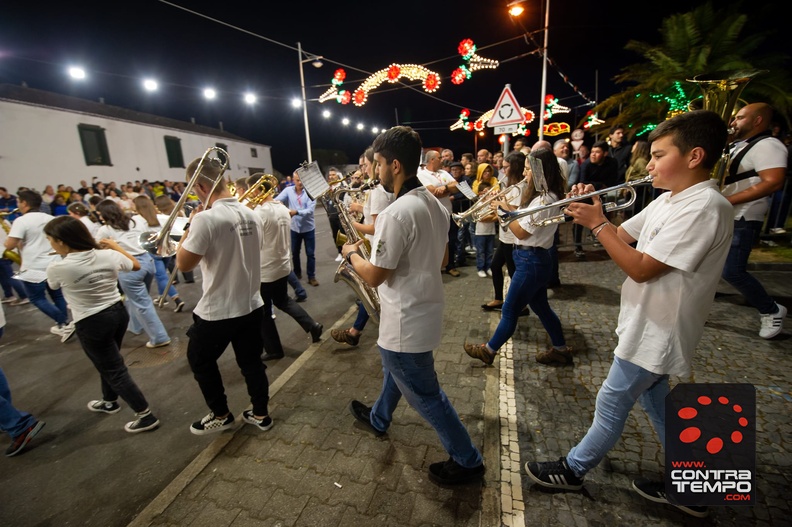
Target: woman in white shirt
<point>88,276</point>
<point>135,284</point>
<point>80,211</point>
<point>533,265</point>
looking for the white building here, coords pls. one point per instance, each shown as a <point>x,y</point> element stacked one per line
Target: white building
<point>48,139</point>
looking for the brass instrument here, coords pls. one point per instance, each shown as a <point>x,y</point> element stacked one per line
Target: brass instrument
<point>481,208</point>
<point>721,93</point>
<point>159,242</point>
<point>10,254</point>
<point>507,216</point>
<point>258,199</point>
<point>367,294</point>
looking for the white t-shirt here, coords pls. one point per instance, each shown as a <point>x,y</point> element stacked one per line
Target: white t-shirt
<point>227,236</point>
<point>540,236</point>
<point>661,321</point>
<point>275,240</point>
<point>89,280</point>
<point>377,200</point>
<point>763,155</point>
<point>128,240</point>
<point>505,235</point>
<point>93,228</point>
<point>437,179</point>
<point>410,238</point>
<point>34,246</point>
<point>485,228</point>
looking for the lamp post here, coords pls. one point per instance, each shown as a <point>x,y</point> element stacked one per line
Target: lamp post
<point>317,63</point>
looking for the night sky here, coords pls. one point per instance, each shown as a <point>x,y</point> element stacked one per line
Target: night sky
<point>119,43</point>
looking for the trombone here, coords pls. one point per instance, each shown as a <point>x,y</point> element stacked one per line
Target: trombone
<point>505,217</point>
<point>255,201</point>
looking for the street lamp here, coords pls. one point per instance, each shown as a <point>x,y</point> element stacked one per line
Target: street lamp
<point>515,9</point>
<point>316,61</point>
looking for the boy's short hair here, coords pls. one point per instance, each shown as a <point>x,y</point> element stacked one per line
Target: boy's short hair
<point>699,128</point>
<point>31,197</point>
<point>210,171</point>
<point>402,143</point>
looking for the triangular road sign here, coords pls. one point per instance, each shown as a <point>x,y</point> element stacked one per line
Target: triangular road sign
<point>507,111</point>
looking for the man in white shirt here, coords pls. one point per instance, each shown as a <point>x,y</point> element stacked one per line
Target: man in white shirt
<point>442,185</point>
<point>27,234</point>
<point>757,169</point>
<point>408,253</point>
<point>224,240</point>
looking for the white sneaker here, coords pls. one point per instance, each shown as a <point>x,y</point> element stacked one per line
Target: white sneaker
<point>9,299</point>
<point>772,324</point>
<point>778,230</point>
<point>339,258</point>
<point>64,331</point>
<point>489,272</point>
<point>482,274</point>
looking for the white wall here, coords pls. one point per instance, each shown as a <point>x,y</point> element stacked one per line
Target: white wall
<point>41,146</point>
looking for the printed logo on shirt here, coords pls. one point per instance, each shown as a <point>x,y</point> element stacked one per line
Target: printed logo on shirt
<point>379,247</point>
<point>711,444</point>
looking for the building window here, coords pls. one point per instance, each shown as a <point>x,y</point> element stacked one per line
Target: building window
<point>222,157</point>
<point>174,150</point>
<point>253,152</point>
<point>94,144</point>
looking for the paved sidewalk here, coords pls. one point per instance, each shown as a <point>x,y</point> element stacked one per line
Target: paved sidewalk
<point>315,468</point>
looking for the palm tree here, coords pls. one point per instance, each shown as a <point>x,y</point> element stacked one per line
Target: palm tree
<point>702,41</point>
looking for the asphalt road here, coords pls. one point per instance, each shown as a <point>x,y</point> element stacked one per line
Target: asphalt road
<point>83,468</point>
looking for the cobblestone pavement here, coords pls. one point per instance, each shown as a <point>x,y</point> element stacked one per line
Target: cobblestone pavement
<point>315,468</point>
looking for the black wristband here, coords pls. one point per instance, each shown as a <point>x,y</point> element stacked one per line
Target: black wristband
<point>350,253</point>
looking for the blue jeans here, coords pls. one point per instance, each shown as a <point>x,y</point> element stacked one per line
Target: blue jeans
<point>12,421</point>
<point>626,383</point>
<point>142,313</point>
<point>463,240</point>
<point>485,247</point>
<point>297,238</point>
<point>162,275</point>
<point>413,375</point>
<point>532,270</point>
<point>8,283</point>
<point>735,270</point>
<point>453,241</point>
<point>294,282</point>
<point>56,311</point>
<point>362,316</point>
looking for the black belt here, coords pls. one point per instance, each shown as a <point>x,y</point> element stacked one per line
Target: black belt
<point>529,249</point>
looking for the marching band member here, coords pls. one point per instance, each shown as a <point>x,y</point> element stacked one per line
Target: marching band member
<point>88,277</point>
<point>225,241</point>
<point>533,267</point>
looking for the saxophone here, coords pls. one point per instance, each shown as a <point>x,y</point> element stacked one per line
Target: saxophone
<point>367,294</point>
<point>12,255</point>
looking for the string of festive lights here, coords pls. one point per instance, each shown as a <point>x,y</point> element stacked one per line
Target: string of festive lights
<point>463,123</point>
<point>472,62</point>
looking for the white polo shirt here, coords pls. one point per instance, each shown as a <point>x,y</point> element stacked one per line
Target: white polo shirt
<point>89,280</point>
<point>128,240</point>
<point>437,179</point>
<point>540,236</point>
<point>661,321</point>
<point>505,234</point>
<point>92,227</point>
<point>34,246</point>
<point>275,240</point>
<point>410,238</point>
<point>227,236</point>
<point>763,155</point>
<point>377,200</point>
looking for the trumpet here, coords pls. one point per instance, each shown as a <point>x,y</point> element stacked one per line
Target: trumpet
<point>481,208</point>
<point>505,217</point>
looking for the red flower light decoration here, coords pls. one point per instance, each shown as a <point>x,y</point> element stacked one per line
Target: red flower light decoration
<point>431,82</point>
<point>346,97</point>
<point>465,47</point>
<point>393,72</point>
<point>479,125</point>
<point>360,97</point>
<point>458,76</point>
<point>339,75</point>
<point>465,113</point>
<point>549,99</point>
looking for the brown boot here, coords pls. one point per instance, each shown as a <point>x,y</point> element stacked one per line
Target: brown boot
<point>345,337</point>
<point>554,356</point>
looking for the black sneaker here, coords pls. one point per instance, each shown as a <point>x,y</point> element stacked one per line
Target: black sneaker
<point>262,424</point>
<point>300,298</point>
<point>655,491</point>
<point>211,424</point>
<point>107,407</point>
<point>20,442</point>
<point>554,475</point>
<point>363,415</point>
<point>179,306</point>
<point>316,332</point>
<point>452,473</point>
<point>143,423</point>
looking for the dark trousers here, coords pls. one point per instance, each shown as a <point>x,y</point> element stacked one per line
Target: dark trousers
<point>9,284</point>
<point>335,228</point>
<point>209,339</point>
<point>269,331</point>
<point>279,294</point>
<point>453,242</point>
<point>101,335</point>
<point>502,256</point>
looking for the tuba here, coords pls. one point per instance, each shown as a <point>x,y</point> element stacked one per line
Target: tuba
<point>367,294</point>
<point>721,92</point>
<point>8,254</point>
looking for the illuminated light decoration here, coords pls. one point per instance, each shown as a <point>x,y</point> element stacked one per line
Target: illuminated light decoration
<point>335,91</point>
<point>677,103</point>
<point>344,97</point>
<point>339,76</point>
<point>592,120</point>
<point>481,122</point>
<point>552,107</point>
<point>553,129</point>
<point>472,62</point>
<point>392,74</point>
